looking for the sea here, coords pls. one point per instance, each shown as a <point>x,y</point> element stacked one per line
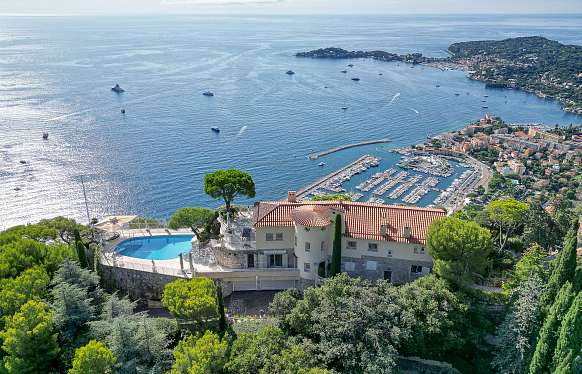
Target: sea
<point>56,75</point>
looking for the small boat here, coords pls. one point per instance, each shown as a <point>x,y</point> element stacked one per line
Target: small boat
<point>438,85</point>
<point>380,73</point>
<point>117,89</point>
<point>45,135</point>
<point>321,164</point>
<point>457,94</point>
<point>290,72</point>
<point>356,79</point>
<point>215,129</point>
<point>122,111</point>
<point>485,107</point>
<point>344,71</point>
<point>485,95</point>
<point>23,162</point>
<point>208,93</point>
<point>350,65</point>
<point>345,108</point>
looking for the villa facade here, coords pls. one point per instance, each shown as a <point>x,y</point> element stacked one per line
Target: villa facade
<point>296,239</point>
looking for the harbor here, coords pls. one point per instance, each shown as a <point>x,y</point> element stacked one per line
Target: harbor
<point>316,156</point>
<point>407,177</point>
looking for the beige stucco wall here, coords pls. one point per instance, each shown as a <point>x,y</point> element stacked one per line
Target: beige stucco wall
<point>315,236</point>
<point>401,251</point>
<point>286,243</point>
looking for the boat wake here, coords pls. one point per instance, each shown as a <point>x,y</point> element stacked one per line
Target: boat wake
<point>241,131</point>
<point>414,110</point>
<point>395,97</point>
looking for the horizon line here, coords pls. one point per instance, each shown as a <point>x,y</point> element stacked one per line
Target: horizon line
<point>189,14</point>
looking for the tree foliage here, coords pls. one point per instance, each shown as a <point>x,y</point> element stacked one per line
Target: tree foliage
<point>548,336</point>
<point>93,358</point>
<point>204,354</point>
<point>532,262</point>
<point>192,300</point>
<point>250,352</point>
<point>31,284</point>
<point>199,220</point>
<point>336,254</point>
<point>333,197</point>
<point>228,184</point>
<point>518,331</point>
<point>459,248</point>
<point>507,216</point>
<point>569,343</point>
<point>29,339</point>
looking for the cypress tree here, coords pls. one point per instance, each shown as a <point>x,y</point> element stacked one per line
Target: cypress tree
<point>563,269</point>
<point>80,250</point>
<point>546,345</point>
<point>570,338</point>
<point>336,255</point>
<point>222,320</point>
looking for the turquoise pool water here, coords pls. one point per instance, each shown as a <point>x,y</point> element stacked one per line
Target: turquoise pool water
<point>164,247</point>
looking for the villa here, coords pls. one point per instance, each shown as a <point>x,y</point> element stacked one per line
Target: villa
<point>378,242</point>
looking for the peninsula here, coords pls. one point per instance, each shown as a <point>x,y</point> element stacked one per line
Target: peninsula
<point>533,64</point>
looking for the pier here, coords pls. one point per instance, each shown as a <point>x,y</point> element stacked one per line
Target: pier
<point>315,156</point>
<point>360,165</point>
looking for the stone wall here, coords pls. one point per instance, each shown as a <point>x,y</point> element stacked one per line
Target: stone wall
<point>400,268</point>
<point>415,365</point>
<point>135,283</point>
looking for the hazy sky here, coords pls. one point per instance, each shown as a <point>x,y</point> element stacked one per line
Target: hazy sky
<point>288,6</point>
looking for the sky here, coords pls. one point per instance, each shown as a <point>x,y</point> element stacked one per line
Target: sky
<point>287,7</point>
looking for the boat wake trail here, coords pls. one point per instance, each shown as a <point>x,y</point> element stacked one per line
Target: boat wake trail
<point>241,131</point>
<point>414,110</point>
<point>395,97</point>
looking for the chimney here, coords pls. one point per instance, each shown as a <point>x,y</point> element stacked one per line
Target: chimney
<point>407,232</point>
<point>292,196</point>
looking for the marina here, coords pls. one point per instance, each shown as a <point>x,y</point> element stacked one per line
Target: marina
<point>400,190</point>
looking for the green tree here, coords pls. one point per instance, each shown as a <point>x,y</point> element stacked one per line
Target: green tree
<point>80,248</point>
<point>29,340</point>
<point>518,331</point>
<point>199,220</point>
<point>31,284</point>
<point>296,359</point>
<point>192,301</point>
<point>93,358</point>
<point>563,270</point>
<point>532,262</point>
<point>540,228</point>
<point>251,351</point>
<point>336,254</point>
<point>73,309</point>
<point>569,341</point>
<point>459,248</point>
<point>204,354</point>
<point>228,184</point>
<point>507,216</point>
<point>546,344</point>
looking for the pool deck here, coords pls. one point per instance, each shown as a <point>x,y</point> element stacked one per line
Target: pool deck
<point>172,266</point>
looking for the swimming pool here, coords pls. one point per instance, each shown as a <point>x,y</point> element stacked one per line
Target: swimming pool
<point>164,247</point>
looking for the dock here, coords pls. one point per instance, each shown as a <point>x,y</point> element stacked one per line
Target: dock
<point>302,193</point>
<point>315,156</point>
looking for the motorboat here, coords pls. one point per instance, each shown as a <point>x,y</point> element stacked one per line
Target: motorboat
<point>45,135</point>
<point>290,72</point>
<point>208,93</point>
<point>117,89</point>
<point>345,108</point>
<point>321,164</point>
<point>356,79</point>
<point>215,129</point>
<point>344,71</point>
<point>122,111</point>
<point>351,65</point>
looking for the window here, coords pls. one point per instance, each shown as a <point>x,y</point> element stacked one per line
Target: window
<point>388,275</point>
<point>371,265</point>
<point>373,247</point>
<point>352,245</point>
<point>416,269</point>
<point>307,267</point>
<point>279,236</point>
<point>323,246</point>
<point>389,253</point>
<point>349,266</point>
<point>307,246</point>
<point>295,240</point>
<point>269,236</point>
<point>275,261</point>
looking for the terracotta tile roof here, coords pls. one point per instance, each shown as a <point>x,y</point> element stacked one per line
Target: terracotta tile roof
<point>312,215</point>
<point>361,220</point>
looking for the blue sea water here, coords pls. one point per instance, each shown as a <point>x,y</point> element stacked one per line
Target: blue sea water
<point>156,247</point>
<point>56,74</point>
